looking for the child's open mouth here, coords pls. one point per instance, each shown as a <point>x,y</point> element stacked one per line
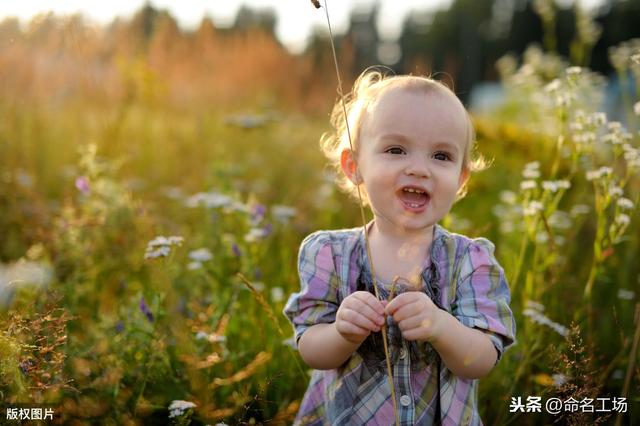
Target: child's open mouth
<point>413,199</point>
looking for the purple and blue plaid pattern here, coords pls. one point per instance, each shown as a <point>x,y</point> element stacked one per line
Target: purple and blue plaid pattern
<point>461,276</point>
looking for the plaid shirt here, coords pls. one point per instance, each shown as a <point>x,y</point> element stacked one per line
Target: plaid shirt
<point>461,276</point>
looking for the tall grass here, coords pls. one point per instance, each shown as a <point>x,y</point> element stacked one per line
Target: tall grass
<point>92,173</point>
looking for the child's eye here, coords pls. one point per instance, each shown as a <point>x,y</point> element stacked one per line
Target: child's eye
<point>395,150</point>
<point>442,156</point>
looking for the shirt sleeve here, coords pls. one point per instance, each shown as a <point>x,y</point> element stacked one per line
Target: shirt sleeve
<point>317,301</point>
<point>482,296</point>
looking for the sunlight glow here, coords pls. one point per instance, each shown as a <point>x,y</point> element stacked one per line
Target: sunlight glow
<point>296,18</point>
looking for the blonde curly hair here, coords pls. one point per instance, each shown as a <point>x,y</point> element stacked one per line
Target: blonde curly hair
<point>367,90</point>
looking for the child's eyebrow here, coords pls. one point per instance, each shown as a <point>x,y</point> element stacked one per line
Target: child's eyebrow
<point>397,137</point>
<point>448,146</point>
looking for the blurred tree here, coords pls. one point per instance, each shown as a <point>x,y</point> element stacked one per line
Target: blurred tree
<point>619,22</point>
<point>50,55</point>
<point>205,34</point>
<point>143,21</point>
<point>9,31</point>
<point>165,40</point>
<point>454,41</point>
<point>250,18</point>
<point>465,40</point>
<point>363,34</point>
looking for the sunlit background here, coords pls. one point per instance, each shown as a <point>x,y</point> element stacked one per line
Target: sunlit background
<point>295,19</point>
<point>160,165</point>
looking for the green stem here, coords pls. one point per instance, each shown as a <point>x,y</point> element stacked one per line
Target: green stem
<point>592,278</point>
<point>632,360</point>
<point>556,161</point>
<point>523,364</point>
<point>518,266</point>
<point>597,252</point>
<point>144,384</point>
<point>531,274</point>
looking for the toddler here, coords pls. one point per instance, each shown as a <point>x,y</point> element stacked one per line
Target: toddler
<point>448,320</point>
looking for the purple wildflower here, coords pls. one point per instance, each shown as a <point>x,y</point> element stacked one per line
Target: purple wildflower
<point>82,185</point>
<point>266,229</point>
<point>145,309</point>
<point>119,327</point>
<point>257,274</point>
<point>257,213</point>
<point>236,250</point>
<point>26,366</point>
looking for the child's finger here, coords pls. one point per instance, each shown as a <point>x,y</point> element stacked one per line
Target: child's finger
<point>395,304</point>
<point>372,302</point>
<point>375,316</point>
<point>349,328</point>
<point>360,320</point>
<point>403,312</point>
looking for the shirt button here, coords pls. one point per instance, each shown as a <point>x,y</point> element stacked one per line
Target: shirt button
<point>403,353</point>
<point>405,400</point>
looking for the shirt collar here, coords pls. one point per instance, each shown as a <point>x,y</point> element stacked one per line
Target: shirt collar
<point>440,236</point>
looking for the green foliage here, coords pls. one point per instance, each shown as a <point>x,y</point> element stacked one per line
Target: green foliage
<point>10,377</point>
<point>91,187</point>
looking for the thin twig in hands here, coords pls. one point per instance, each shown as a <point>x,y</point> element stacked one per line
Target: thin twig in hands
<point>394,285</point>
<point>364,223</point>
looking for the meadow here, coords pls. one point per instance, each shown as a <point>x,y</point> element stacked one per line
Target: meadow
<point>150,229</point>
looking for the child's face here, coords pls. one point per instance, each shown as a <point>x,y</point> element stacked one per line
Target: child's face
<point>411,140</point>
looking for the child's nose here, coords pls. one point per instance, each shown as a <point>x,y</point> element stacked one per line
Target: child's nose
<point>417,166</point>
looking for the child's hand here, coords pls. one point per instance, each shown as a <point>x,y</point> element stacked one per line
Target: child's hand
<point>359,314</point>
<point>416,315</point>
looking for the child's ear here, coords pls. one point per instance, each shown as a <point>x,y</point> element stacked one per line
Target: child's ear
<point>349,166</point>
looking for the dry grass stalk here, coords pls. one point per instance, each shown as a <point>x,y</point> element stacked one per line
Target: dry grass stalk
<point>364,223</point>
<point>262,301</point>
<point>286,416</point>
<point>211,360</point>
<point>41,339</point>
<point>260,359</point>
<point>580,383</point>
<point>222,325</point>
<point>217,413</point>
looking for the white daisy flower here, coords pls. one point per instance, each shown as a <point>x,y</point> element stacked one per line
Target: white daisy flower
<point>283,213</point>
<point>625,203</point>
<point>623,219</point>
<point>178,407</point>
<point>532,208</point>
<point>201,255</point>
<point>277,294</point>
<point>625,294</point>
